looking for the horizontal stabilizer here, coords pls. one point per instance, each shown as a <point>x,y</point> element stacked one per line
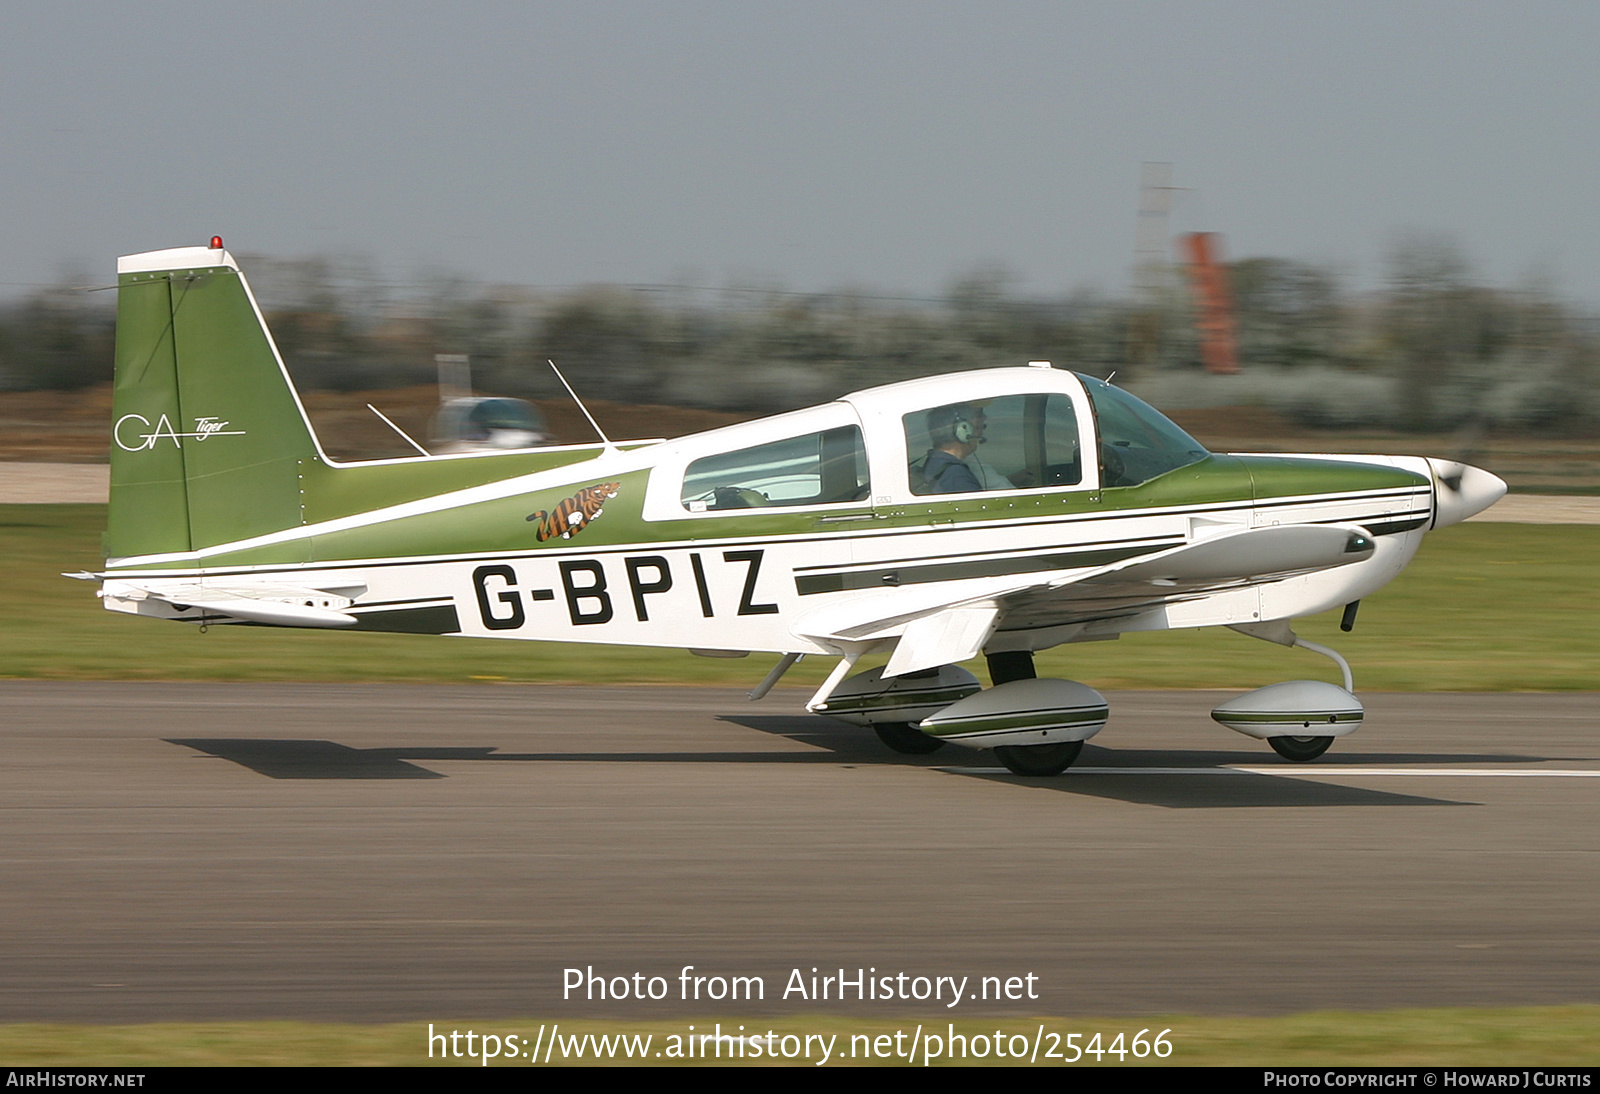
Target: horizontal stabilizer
<point>277,605</point>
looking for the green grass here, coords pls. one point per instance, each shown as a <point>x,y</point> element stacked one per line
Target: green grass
<point>1485,607</point>
<point>1516,1037</point>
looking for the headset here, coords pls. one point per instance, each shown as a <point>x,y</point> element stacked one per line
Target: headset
<point>951,423</point>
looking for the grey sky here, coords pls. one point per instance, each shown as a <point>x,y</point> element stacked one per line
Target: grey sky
<point>816,145</point>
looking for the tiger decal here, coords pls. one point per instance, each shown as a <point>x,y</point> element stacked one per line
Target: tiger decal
<point>575,513</point>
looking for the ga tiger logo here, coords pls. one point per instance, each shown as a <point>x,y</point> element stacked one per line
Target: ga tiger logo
<point>574,514</point>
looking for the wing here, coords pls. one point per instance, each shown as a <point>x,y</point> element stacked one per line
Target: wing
<point>947,622</point>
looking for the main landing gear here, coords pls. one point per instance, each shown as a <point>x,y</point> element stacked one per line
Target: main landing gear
<point>906,739</point>
<point>1035,727</point>
<point>1300,749</point>
<point>1051,759</point>
<point>1038,759</point>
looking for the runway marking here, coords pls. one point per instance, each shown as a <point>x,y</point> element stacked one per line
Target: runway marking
<point>1404,772</point>
<point>1441,772</point>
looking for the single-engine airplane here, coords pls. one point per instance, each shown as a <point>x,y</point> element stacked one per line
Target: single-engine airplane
<point>1001,511</point>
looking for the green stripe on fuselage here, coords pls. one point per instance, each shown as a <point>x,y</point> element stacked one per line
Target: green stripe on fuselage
<point>500,526</point>
<point>332,492</point>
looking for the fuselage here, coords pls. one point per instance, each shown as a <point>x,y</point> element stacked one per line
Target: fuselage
<point>733,538</point>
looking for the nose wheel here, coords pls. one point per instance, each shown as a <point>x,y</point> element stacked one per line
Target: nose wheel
<point>1295,704</point>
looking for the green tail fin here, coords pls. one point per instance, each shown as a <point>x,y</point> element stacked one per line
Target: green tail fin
<point>208,435</point>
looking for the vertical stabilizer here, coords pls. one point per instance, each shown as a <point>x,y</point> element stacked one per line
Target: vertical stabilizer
<point>207,435</point>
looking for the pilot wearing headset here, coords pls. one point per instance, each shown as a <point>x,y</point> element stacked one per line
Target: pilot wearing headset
<point>955,431</point>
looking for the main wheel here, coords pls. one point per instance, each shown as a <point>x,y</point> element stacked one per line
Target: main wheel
<point>1300,749</point>
<point>906,739</point>
<point>1039,759</point>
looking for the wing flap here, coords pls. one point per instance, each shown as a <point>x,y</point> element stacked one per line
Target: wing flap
<point>943,638</point>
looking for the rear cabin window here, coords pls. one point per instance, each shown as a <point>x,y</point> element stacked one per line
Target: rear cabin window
<point>827,468</point>
<point>1018,442</point>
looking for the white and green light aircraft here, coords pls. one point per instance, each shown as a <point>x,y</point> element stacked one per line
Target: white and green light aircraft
<point>1000,512</point>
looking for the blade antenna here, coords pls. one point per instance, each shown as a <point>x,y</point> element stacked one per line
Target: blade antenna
<point>604,439</point>
<point>398,430</point>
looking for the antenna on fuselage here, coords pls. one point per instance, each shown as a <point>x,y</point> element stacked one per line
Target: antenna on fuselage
<point>604,439</point>
<point>389,422</point>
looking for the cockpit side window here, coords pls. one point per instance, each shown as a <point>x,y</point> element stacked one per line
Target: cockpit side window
<point>827,468</point>
<point>1137,442</point>
<point>1016,442</point>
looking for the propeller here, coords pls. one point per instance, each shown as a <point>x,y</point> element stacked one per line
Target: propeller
<point>1461,490</point>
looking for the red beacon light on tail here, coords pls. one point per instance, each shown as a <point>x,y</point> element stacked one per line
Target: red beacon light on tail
<point>216,243</point>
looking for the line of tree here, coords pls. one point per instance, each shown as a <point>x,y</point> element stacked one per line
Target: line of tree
<point>1432,349</point>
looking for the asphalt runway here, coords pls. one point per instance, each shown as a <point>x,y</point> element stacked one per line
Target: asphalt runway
<point>375,853</point>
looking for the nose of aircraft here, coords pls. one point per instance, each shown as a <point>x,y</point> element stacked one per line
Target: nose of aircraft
<point>1460,490</point>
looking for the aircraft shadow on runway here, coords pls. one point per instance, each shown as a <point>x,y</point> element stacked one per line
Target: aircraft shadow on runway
<point>835,743</point>
<point>1229,790</point>
<point>291,758</point>
<point>1198,791</point>
<point>305,759</point>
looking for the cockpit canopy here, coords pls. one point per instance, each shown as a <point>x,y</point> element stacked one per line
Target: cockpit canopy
<point>995,431</point>
<point>1037,439</point>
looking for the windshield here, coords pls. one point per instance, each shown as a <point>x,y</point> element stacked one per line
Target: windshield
<point>1137,441</point>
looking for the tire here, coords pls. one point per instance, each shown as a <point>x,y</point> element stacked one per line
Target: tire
<point>1039,759</point>
<point>1300,749</point>
<point>906,739</point>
